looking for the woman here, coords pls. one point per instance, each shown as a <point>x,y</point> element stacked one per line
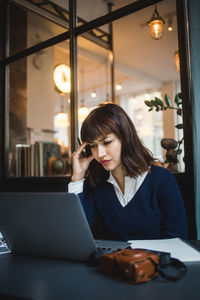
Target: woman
<point>125,195</point>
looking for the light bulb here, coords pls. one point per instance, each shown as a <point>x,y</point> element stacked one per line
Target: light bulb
<point>118,87</point>
<point>82,113</point>
<point>61,120</point>
<point>93,94</point>
<point>156,25</point>
<point>156,29</point>
<point>177,60</point>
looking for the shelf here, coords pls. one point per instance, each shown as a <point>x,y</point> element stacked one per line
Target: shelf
<point>34,184</point>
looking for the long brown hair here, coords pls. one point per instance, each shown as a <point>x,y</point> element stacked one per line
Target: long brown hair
<point>111,118</point>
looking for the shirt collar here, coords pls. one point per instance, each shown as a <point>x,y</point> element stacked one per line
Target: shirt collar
<point>128,179</point>
<point>112,180</point>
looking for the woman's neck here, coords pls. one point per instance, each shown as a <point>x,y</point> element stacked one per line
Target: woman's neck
<point>119,177</point>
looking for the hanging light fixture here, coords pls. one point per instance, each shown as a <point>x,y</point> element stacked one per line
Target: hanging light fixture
<point>177,60</point>
<point>82,112</point>
<point>93,94</point>
<point>156,25</point>
<point>61,77</point>
<point>118,87</point>
<point>169,25</point>
<point>61,120</point>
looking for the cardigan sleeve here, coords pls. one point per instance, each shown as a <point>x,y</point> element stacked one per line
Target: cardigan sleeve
<point>174,220</point>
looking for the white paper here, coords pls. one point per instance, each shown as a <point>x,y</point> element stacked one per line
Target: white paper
<point>4,251</point>
<point>178,248</point>
<point>3,248</point>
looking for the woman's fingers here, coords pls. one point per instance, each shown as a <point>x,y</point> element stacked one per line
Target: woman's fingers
<point>77,153</point>
<point>90,158</point>
<point>80,163</point>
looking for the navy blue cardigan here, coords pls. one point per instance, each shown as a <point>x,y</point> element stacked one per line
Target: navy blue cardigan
<point>156,211</point>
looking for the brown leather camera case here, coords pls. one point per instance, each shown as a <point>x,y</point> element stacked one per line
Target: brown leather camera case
<point>131,265</point>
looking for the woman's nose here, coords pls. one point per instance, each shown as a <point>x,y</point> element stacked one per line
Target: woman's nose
<point>101,151</point>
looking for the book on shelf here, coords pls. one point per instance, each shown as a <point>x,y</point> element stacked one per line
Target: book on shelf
<point>32,160</point>
<point>47,150</point>
<point>36,159</point>
<point>22,160</point>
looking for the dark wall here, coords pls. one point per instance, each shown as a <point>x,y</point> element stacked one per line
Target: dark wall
<point>188,199</point>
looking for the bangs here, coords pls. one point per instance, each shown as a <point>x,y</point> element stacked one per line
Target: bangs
<point>97,125</point>
<point>91,132</point>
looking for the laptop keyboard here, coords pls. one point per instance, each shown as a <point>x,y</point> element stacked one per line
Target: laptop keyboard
<point>103,250</point>
<point>95,258</point>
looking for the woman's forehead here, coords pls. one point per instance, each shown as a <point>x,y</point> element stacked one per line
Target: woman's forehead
<point>102,137</point>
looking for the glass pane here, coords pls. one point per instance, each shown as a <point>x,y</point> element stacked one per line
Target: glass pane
<point>145,69</point>
<point>28,29</point>
<point>94,82</point>
<point>39,133</point>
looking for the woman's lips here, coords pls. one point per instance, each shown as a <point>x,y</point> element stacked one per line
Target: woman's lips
<point>105,162</point>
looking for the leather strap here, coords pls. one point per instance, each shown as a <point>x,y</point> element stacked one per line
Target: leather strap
<point>169,268</point>
<point>174,270</point>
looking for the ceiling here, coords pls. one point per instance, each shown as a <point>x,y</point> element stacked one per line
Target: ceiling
<point>141,63</point>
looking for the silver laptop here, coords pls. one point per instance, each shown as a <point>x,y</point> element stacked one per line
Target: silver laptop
<point>47,224</point>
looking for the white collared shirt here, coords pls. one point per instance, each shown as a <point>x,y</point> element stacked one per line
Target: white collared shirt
<point>131,187</point>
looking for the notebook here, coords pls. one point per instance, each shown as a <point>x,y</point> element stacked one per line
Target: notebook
<point>48,224</point>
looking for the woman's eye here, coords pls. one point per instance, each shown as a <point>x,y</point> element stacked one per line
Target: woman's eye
<point>107,142</point>
<point>92,146</point>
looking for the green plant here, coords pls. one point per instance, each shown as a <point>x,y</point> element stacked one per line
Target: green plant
<point>159,105</point>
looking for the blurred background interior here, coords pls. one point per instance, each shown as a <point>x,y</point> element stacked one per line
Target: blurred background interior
<point>126,61</point>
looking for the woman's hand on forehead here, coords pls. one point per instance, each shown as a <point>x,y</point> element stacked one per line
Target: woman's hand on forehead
<point>80,163</point>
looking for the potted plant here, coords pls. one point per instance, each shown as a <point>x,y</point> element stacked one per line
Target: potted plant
<point>158,104</point>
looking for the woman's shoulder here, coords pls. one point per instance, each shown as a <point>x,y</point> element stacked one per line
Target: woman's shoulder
<point>160,172</point>
<point>159,169</point>
<point>161,177</point>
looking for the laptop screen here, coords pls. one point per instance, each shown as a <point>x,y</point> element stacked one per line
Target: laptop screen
<point>46,224</point>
